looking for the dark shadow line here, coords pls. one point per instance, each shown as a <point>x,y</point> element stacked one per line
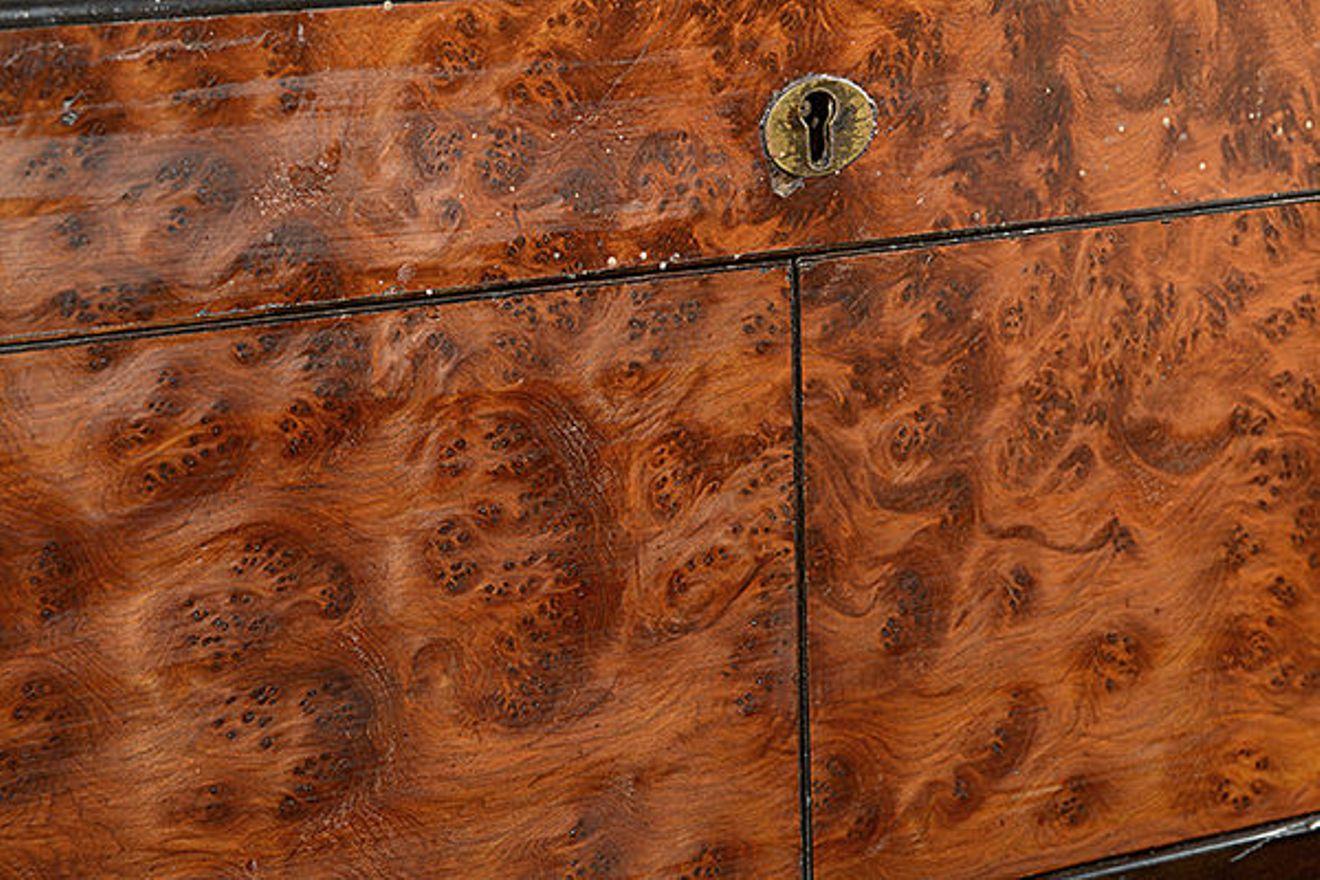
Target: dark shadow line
<point>1026,229</point>
<point>343,308</point>
<point>800,577</point>
<point>19,15</point>
<point>276,313</point>
<point>1249,839</point>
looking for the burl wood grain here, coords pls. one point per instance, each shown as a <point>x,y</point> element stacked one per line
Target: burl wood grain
<point>157,172</point>
<point>500,589</point>
<point>1063,544</point>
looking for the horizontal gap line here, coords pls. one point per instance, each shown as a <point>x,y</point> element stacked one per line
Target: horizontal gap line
<point>17,16</point>
<point>1030,228</point>
<point>1257,836</point>
<point>365,306</point>
<point>278,314</point>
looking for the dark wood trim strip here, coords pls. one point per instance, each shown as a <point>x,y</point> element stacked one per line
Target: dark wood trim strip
<point>1286,850</point>
<point>276,314</point>
<point>393,302</point>
<point>800,577</point>
<point>17,15</point>
<point>1044,227</point>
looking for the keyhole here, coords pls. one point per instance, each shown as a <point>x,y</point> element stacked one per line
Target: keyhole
<point>817,111</point>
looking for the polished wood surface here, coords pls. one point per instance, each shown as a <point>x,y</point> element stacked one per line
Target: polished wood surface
<point>161,172</point>
<point>1062,544</point>
<point>497,589</point>
<point>461,585</point>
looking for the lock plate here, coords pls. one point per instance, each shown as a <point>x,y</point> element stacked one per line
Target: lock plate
<point>817,125</point>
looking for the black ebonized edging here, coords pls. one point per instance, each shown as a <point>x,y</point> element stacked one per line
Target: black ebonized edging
<point>1285,850</point>
<point>21,14</point>
<point>784,258</point>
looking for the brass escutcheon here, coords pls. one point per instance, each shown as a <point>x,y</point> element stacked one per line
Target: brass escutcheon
<point>816,125</point>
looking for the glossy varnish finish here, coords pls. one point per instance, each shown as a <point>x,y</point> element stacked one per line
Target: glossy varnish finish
<point>1063,544</point>
<point>157,172</point>
<point>500,589</point>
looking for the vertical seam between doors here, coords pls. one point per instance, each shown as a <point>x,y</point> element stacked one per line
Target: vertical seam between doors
<point>800,577</point>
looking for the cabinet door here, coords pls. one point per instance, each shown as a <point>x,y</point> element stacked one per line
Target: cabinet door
<point>1062,543</point>
<point>500,588</point>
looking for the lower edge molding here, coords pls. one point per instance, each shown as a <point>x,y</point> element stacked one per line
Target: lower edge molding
<point>1284,850</point>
